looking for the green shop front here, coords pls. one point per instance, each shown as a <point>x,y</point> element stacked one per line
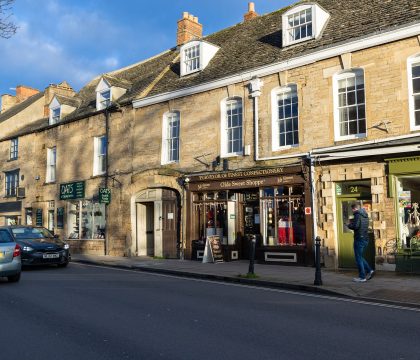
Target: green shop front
<point>404,188</point>
<point>83,217</point>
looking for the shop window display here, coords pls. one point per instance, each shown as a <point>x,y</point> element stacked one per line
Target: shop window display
<point>283,216</point>
<point>86,220</point>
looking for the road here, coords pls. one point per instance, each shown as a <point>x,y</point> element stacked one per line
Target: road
<point>86,312</point>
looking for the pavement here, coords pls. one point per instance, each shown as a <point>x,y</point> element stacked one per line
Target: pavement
<point>385,287</point>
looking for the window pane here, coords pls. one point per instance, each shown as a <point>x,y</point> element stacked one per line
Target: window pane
<point>296,138</point>
<point>417,118</point>
<point>416,85</point>
<point>416,70</point>
<point>362,126</point>
<point>353,113</point>
<point>353,127</point>
<point>361,112</point>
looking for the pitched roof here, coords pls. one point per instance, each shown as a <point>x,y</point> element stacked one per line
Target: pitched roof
<point>65,100</point>
<point>16,109</point>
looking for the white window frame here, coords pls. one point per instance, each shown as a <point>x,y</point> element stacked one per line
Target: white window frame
<point>167,139</point>
<point>55,115</point>
<point>292,29</point>
<point>51,175</point>
<point>275,120</point>
<point>99,155</point>
<point>411,61</point>
<point>225,129</point>
<point>336,78</point>
<point>197,59</point>
<point>104,102</point>
<point>14,149</point>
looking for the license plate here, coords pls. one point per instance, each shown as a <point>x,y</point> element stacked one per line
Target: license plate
<point>51,256</point>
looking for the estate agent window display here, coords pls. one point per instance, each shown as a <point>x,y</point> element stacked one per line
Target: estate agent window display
<point>86,220</point>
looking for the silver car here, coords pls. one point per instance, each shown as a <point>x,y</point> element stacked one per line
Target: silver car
<point>10,261</point>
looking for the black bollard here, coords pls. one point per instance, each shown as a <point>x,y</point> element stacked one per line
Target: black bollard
<point>318,280</point>
<point>252,254</point>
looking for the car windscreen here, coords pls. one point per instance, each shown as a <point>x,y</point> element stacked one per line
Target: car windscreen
<point>31,233</point>
<point>5,237</point>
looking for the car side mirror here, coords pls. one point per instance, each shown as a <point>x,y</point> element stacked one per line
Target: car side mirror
<point>56,236</point>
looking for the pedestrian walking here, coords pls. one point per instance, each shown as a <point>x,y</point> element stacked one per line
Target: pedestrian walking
<point>360,225</point>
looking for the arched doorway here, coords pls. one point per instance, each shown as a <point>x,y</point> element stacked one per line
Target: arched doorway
<point>157,223</point>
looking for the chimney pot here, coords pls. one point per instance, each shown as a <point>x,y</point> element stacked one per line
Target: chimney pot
<point>185,15</point>
<point>251,14</point>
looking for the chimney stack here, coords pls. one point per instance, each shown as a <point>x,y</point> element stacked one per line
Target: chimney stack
<point>188,29</point>
<point>251,14</point>
<point>22,93</point>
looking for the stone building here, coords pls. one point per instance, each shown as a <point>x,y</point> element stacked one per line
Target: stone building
<point>267,129</point>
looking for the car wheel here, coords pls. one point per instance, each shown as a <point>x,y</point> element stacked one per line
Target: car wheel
<point>14,278</point>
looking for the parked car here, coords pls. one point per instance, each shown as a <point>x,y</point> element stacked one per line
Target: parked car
<point>39,246</point>
<point>10,257</point>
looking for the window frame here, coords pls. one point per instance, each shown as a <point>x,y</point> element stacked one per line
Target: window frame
<point>8,190</point>
<point>166,139</point>
<point>286,26</point>
<point>14,149</point>
<point>411,61</point>
<point>275,120</point>
<point>225,129</point>
<point>98,156</point>
<point>54,118</point>
<point>195,44</point>
<point>51,175</point>
<point>336,78</point>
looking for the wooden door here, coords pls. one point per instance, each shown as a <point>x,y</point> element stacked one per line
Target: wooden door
<point>170,224</point>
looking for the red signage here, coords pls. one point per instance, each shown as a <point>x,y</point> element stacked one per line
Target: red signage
<point>308,211</point>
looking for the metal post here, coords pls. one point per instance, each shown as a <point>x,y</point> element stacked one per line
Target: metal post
<point>318,280</point>
<point>252,254</point>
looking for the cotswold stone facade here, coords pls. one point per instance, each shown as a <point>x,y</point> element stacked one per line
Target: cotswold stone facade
<point>256,141</point>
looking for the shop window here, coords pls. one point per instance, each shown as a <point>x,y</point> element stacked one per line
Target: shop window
<point>86,220</point>
<point>51,220</point>
<point>349,105</point>
<point>283,216</point>
<point>28,216</point>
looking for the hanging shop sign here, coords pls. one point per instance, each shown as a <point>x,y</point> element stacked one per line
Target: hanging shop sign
<point>104,195</point>
<point>74,190</point>
<point>38,217</point>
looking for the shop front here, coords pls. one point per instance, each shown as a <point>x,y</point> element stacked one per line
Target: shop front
<point>10,213</point>
<point>82,218</point>
<point>272,204</point>
<point>404,185</point>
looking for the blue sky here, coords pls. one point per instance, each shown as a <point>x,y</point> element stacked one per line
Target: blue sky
<point>76,40</point>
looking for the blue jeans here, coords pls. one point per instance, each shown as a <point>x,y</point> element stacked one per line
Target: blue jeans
<point>359,247</point>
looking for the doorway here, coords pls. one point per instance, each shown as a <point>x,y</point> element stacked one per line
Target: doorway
<point>345,235</point>
<point>157,223</point>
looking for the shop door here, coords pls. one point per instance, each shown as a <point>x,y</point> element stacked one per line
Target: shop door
<point>145,229</point>
<point>170,228</point>
<point>345,235</point>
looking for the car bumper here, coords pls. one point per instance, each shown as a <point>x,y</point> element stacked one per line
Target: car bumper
<point>11,268</point>
<point>37,258</point>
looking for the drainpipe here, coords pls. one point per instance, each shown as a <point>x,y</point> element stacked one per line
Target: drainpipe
<point>106,244</point>
<point>313,193</point>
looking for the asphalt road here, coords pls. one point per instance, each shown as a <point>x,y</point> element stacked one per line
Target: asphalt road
<point>85,312</point>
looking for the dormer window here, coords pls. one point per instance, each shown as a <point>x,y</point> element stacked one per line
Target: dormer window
<point>55,115</point>
<point>303,22</point>
<point>109,90</point>
<point>300,25</point>
<point>196,55</point>
<point>192,58</point>
<point>104,99</point>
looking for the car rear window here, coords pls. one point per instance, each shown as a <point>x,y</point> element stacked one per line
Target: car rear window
<point>27,233</point>
<point>5,237</point>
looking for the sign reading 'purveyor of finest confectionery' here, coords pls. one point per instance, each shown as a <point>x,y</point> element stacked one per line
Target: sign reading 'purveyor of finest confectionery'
<point>74,190</point>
